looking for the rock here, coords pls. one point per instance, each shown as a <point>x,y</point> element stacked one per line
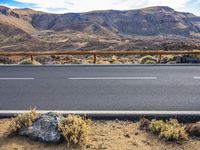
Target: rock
<point>44,129</point>
<point>178,59</point>
<point>164,60</point>
<point>189,59</point>
<point>193,129</point>
<point>6,60</point>
<point>43,59</point>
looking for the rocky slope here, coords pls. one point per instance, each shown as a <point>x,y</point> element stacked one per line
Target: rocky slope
<point>148,28</point>
<point>148,21</point>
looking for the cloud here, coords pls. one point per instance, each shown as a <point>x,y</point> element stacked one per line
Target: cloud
<point>62,6</point>
<point>84,5</point>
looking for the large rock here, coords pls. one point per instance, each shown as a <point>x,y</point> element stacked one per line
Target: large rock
<point>189,59</point>
<point>44,129</point>
<point>194,129</point>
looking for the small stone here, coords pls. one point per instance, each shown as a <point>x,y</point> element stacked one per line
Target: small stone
<point>136,133</point>
<point>127,135</point>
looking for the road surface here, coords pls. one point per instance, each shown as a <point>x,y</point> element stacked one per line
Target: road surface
<point>103,87</point>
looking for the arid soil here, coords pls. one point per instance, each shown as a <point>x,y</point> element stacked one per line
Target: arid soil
<point>111,135</point>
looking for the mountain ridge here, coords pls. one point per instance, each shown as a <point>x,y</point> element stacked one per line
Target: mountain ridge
<point>96,26</point>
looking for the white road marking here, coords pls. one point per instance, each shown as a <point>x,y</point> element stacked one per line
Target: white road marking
<point>112,78</point>
<point>17,78</point>
<point>196,77</point>
<point>104,113</point>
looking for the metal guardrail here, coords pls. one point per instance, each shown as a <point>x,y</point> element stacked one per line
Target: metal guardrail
<point>95,53</point>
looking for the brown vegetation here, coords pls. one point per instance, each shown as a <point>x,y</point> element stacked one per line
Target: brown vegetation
<point>75,130</point>
<point>22,120</point>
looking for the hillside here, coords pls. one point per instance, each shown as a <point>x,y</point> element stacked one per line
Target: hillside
<point>149,28</point>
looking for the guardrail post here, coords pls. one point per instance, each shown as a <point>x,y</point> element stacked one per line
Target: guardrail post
<point>95,59</point>
<point>32,58</point>
<point>159,58</point>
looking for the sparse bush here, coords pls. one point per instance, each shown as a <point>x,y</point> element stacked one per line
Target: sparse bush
<point>28,62</point>
<point>169,130</point>
<point>75,130</point>
<point>156,126</point>
<point>22,120</point>
<point>195,55</point>
<point>147,58</point>
<point>150,62</point>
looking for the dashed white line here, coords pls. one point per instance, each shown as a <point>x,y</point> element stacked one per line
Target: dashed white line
<point>17,78</point>
<point>112,78</point>
<point>196,77</point>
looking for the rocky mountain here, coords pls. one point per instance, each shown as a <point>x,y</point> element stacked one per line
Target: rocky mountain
<point>146,22</point>
<point>148,28</point>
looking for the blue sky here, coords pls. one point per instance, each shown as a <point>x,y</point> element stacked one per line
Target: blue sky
<point>64,6</point>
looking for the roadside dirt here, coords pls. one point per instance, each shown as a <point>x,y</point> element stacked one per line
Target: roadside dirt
<point>110,135</point>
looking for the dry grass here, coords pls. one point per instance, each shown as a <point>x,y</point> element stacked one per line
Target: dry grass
<point>75,130</point>
<point>28,62</point>
<point>22,120</point>
<point>169,130</point>
<point>147,59</point>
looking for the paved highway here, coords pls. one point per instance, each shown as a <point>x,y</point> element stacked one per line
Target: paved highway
<point>118,87</point>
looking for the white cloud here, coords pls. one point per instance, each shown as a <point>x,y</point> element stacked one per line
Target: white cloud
<point>84,5</point>
<point>63,6</point>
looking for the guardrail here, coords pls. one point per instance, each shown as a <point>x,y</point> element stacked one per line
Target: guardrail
<point>95,53</point>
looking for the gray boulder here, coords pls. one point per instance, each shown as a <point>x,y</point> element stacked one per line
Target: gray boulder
<point>44,129</point>
<point>189,59</point>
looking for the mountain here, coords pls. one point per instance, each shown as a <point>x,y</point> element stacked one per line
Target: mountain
<point>146,22</point>
<point>149,28</point>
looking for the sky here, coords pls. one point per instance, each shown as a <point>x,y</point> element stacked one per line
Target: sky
<point>65,6</point>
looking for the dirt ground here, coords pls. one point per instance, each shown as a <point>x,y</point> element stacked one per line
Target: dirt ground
<point>110,135</point>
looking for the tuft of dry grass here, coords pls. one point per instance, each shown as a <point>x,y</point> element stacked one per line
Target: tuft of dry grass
<point>147,59</point>
<point>75,130</point>
<point>28,62</point>
<point>22,120</point>
<point>170,130</point>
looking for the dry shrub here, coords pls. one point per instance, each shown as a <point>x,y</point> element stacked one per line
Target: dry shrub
<point>22,120</point>
<point>75,130</point>
<point>195,55</point>
<point>146,59</point>
<point>28,62</point>
<point>150,62</point>
<point>169,130</point>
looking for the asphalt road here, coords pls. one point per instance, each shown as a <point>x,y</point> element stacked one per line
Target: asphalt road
<point>129,88</point>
